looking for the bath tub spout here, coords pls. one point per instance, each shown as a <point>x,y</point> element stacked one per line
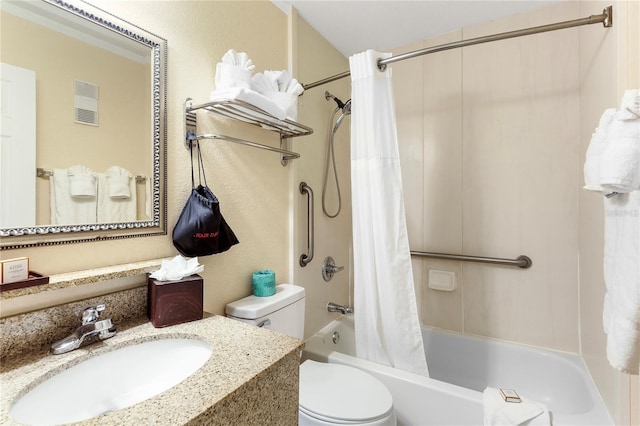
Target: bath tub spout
<point>333,307</point>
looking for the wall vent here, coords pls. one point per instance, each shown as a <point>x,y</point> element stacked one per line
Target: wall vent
<point>85,103</point>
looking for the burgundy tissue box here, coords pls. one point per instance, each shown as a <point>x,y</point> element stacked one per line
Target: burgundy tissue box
<point>174,302</point>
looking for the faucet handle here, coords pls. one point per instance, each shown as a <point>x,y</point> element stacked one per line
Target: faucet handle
<point>92,314</point>
<point>329,268</point>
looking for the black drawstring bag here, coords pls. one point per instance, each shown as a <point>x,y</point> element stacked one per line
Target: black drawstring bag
<point>201,230</point>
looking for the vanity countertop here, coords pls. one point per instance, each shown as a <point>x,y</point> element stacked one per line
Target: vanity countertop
<point>240,353</point>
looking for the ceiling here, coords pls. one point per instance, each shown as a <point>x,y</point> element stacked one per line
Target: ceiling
<point>353,26</point>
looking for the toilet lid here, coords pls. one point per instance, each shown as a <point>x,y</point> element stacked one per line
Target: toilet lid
<point>341,393</point>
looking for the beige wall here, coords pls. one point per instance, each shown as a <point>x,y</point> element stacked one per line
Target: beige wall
<point>120,139</point>
<point>317,59</point>
<point>492,153</point>
<point>252,186</point>
<point>259,198</point>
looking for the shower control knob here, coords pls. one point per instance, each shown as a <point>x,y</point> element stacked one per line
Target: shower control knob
<point>329,268</point>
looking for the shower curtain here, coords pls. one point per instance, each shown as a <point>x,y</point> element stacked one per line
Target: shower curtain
<point>386,317</point>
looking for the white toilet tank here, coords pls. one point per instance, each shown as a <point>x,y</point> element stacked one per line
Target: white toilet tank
<point>282,312</point>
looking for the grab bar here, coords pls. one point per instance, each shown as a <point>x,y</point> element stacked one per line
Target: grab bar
<point>522,261</point>
<point>306,258</point>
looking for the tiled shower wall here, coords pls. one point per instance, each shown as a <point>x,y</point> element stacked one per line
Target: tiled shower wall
<point>492,139</point>
<point>489,136</point>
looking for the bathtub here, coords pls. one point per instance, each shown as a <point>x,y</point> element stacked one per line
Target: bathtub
<point>461,367</point>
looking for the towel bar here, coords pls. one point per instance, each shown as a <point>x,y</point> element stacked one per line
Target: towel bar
<point>46,173</point>
<point>521,261</point>
<point>286,155</point>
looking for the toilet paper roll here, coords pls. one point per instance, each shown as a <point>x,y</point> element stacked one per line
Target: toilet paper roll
<point>264,283</point>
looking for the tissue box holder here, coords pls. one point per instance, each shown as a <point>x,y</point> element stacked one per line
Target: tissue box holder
<point>174,302</point>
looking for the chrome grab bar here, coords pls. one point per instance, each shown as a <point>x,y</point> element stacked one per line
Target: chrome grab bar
<point>522,261</point>
<point>308,257</point>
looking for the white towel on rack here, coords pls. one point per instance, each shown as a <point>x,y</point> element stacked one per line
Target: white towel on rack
<point>620,160</point>
<point>147,196</point>
<point>251,97</point>
<point>235,70</point>
<point>594,152</point>
<point>621,313</point>
<point>65,209</point>
<point>111,209</point>
<point>82,182</point>
<point>281,88</point>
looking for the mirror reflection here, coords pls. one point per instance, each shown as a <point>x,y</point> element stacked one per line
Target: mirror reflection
<point>83,128</point>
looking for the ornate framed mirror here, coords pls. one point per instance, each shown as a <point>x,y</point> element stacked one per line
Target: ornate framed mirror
<point>84,126</point>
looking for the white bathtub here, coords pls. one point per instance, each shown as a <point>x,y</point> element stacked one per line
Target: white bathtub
<point>461,367</point>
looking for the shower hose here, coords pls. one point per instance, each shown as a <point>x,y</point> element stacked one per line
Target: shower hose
<point>331,158</point>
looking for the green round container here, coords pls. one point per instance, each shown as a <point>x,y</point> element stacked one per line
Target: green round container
<point>264,283</point>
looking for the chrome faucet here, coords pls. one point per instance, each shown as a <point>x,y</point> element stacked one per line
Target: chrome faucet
<point>333,307</point>
<point>92,328</point>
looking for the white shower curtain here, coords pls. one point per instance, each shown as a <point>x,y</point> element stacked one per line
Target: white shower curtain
<point>386,317</point>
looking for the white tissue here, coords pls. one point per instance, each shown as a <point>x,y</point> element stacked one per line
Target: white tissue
<point>177,268</point>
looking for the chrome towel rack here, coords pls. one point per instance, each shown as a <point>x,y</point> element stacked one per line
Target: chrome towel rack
<point>286,155</point>
<point>47,173</point>
<point>521,261</point>
<point>247,113</point>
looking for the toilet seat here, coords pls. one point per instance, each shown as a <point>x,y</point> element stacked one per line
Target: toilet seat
<point>339,394</point>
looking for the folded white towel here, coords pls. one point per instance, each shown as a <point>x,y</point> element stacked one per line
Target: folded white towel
<point>82,182</point>
<point>65,209</point>
<point>116,209</point>
<point>499,412</point>
<point>251,97</point>
<point>235,70</point>
<point>594,152</point>
<point>630,99</point>
<point>239,59</point>
<point>620,160</point>
<point>621,313</point>
<point>119,182</point>
<point>281,88</point>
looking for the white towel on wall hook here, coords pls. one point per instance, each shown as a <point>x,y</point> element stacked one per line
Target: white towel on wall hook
<point>621,313</point>
<point>620,159</point>
<point>594,152</point>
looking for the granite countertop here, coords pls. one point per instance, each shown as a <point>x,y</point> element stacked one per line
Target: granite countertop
<point>240,353</point>
<point>90,276</point>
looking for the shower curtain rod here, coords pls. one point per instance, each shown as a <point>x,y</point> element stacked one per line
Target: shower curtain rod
<point>606,18</point>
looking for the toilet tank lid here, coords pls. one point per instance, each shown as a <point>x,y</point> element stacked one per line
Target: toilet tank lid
<point>252,307</point>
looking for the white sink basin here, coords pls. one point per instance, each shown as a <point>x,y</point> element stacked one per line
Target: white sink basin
<point>111,381</point>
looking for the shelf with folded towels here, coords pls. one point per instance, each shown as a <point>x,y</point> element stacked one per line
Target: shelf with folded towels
<point>245,112</point>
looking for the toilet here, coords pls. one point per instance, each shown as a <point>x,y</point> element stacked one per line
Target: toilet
<point>330,394</point>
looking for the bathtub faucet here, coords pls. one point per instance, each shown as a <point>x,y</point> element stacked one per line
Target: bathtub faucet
<point>333,307</point>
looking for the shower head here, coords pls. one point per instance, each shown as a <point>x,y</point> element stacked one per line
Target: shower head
<point>346,110</point>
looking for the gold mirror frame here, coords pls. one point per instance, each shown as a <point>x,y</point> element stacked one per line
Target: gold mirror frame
<point>13,238</point>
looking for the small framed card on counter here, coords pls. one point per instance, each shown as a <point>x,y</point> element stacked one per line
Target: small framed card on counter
<point>13,270</point>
